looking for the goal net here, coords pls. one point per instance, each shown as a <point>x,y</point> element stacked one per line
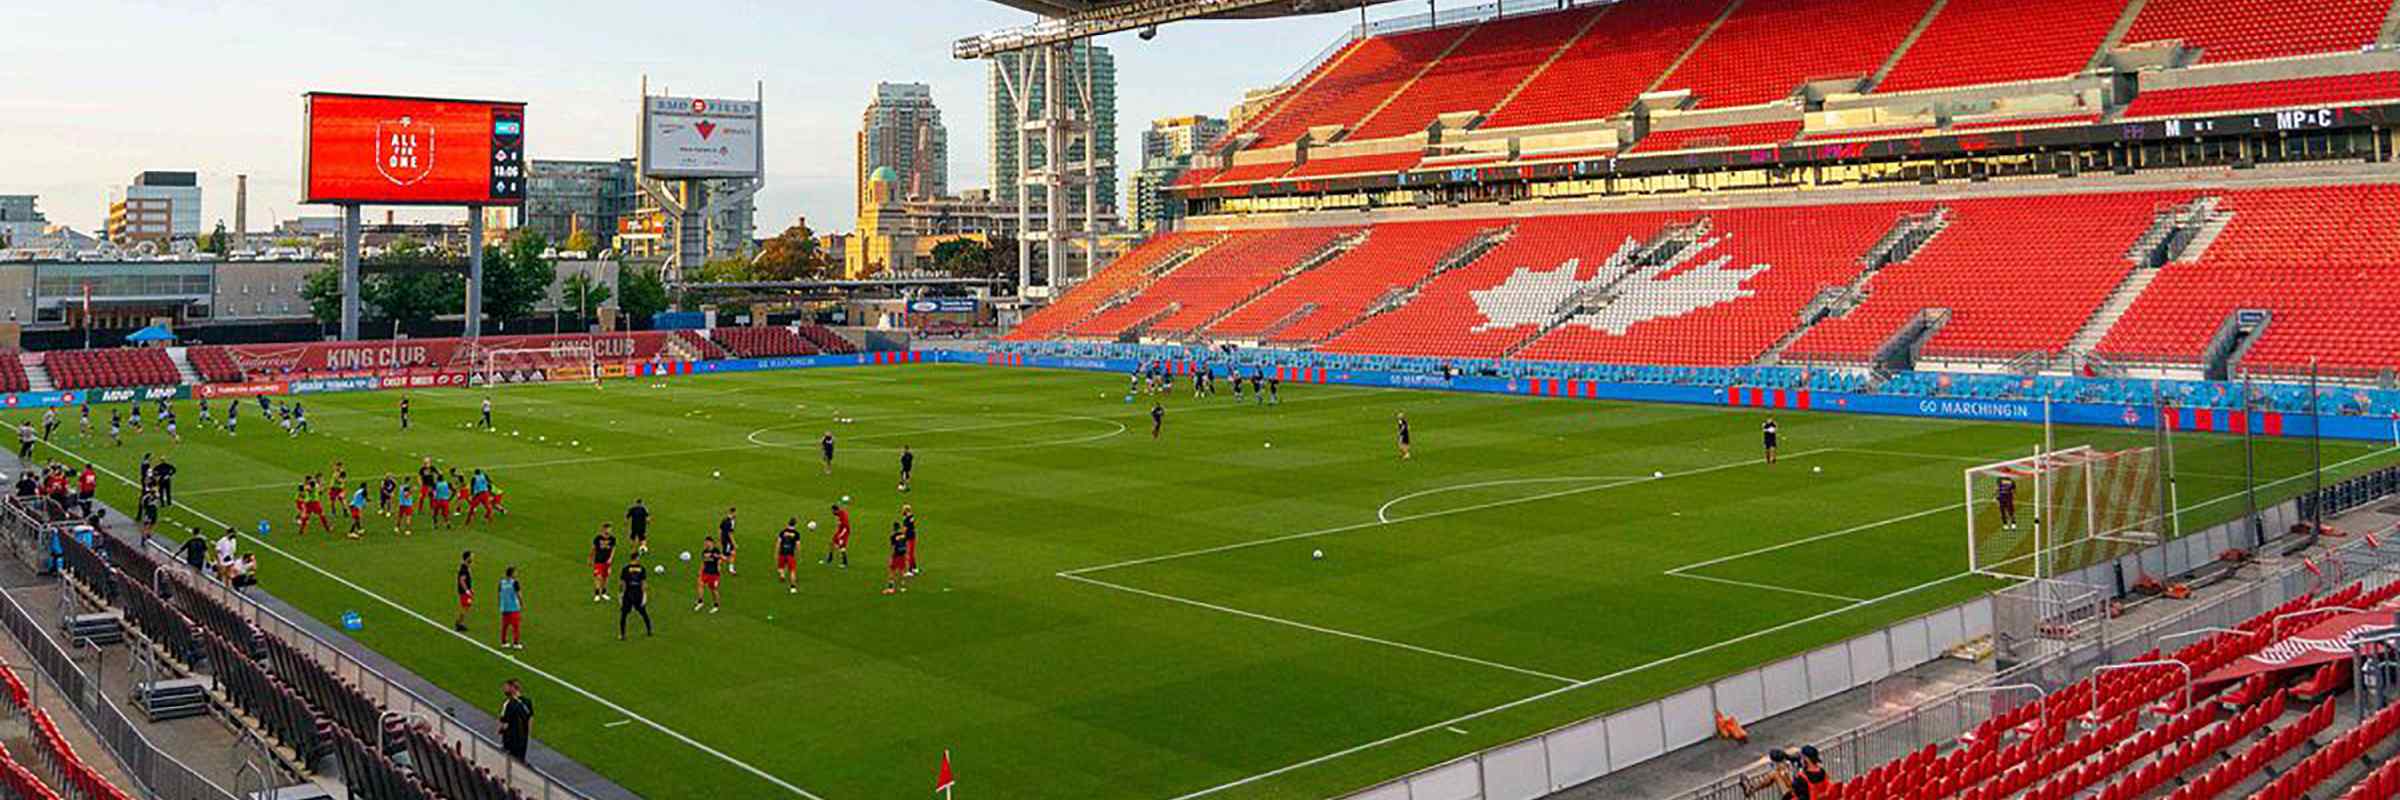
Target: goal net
<point>561,362</point>
<point>2058,511</point>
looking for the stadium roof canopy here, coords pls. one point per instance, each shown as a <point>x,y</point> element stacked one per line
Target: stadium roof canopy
<point>1069,20</point>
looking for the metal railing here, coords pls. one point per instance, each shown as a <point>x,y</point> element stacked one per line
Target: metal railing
<point>1943,719</point>
<point>469,742</point>
<point>159,773</point>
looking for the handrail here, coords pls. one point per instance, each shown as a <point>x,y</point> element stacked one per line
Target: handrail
<point>2188,677</point>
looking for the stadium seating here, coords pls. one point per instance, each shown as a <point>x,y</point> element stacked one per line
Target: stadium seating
<point>1996,41</point>
<point>824,339</point>
<point>2291,93</point>
<point>214,364</point>
<point>1126,274</point>
<point>2261,28</point>
<point>1485,309</point>
<point>1247,263</point>
<point>48,754</point>
<point>12,372</point>
<point>1315,303</point>
<point>1599,75</point>
<point>2321,260</point>
<point>1766,51</point>
<point>1485,67</point>
<point>2014,275</point>
<point>1748,135</point>
<point>123,366</point>
<point>1383,162</point>
<point>1800,250</point>
<point>1353,83</point>
<point>763,342</point>
<point>701,346</point>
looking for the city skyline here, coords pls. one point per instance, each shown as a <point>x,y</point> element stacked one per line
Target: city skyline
<point>88,107</point>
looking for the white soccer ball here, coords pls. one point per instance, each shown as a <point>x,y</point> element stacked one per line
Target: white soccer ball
<point>812,524</point>
<point>900,487</point>
<point>716,473</point>
<point>845,499</point>
<point>1317,554</point>
<point>1816,469</point>
<point>574,442</point>
<point>1656,474</point>
<point>1268,445</point>
<point>686,555</point>
<point>659,568</point>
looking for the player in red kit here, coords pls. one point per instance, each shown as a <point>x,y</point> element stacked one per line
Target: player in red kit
<point>840,543</point>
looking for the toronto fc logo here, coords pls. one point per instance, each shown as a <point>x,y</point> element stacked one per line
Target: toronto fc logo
<point>404,150</point>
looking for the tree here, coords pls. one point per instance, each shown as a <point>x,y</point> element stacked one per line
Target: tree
<point>217,241</point>
<point>641,293</point>
<point>583,293</point>
<point>969,258</point>
<point>791,256</point>
<point>581,241</point>
<point>412,283</point>
<point>728,270</point>
<point>517,277</point>
<point>324,294</point>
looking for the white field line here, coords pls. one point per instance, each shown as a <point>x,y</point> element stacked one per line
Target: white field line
<point>1319,628</point>
<point>1381,520</point>
<point>1767,586</point>
<point>1587,682</point>
<point>1382,512</point>
<point>513,661</point>
<point>1812,539</point>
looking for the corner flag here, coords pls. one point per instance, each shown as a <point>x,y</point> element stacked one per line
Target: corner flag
<point>942,779</point>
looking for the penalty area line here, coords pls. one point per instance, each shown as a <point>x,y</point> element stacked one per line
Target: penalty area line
<point>478,644</point>
<point>1582,684</point>
<point>1320,629</point>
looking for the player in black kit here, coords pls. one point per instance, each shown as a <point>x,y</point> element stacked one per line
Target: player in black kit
<point>825,446</point>
<point>908,463</point>
<point>1768,432</point>
<point>630,599</point>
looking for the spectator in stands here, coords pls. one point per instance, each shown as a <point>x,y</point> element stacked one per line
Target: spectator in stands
<point>225,547</point>
<point>516,720</point>
<point>27,487</point>
<point>1780,777</point>
<point>1812,772</point>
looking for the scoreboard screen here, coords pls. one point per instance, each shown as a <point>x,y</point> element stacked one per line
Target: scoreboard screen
<point>378,150</point>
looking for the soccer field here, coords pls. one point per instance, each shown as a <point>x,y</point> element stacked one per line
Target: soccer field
<point>1107,615</point>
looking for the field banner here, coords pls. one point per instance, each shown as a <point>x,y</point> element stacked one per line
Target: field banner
<point>306,358</point>
<point>246,389</point>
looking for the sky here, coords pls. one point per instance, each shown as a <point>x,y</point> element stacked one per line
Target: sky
<point>94,91</point>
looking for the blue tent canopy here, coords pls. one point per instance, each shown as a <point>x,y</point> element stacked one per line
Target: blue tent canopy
<point>154,333</point>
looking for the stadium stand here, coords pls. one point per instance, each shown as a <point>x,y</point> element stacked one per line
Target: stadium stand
<point>1121,277</point>
<point>2002,277</point>
<point>1766,51</point>
<point>1746,135</point>
<point>825,340</point>
<point>2044,39</point>
<point>1491,62</point>
<point>1353,83</point>
<point>763,342</point>
<point>1351,165</point>
<point>699,346</point>
<point>1317,302</point>
<point>2263,29</point>
<point>1196,293</point>
<point>214,364</point>
<point>123,366</point>
<point>2261,95</point>
<point>46,747</point>
<point>12,372</point>
<point>1601,73</point>
<point>2319,260</point>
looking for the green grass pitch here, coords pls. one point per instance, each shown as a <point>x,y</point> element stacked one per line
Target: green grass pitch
<point>1108,615</point>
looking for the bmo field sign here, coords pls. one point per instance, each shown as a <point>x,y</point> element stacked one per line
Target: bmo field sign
<point>698,137</point>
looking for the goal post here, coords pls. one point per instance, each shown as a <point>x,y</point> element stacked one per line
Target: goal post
<point>503,366</point>
<point>2056,511</point>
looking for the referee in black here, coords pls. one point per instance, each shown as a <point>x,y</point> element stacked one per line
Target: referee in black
<point>630,599</point>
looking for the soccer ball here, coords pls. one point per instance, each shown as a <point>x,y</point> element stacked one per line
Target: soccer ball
<point>659,568</point>
<point>575,443</point>
<point>1317,554</point>
<point>1269,445</point>
<point>1816,469</point>
<point>716,473</point>
<point>812,524</point>
<point>845,499</point>
<point>1656,474</point>
<point>900,488</point>
<point>686,555</point>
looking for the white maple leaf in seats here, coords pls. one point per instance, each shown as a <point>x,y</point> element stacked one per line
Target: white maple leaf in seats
<point>1620,294</point>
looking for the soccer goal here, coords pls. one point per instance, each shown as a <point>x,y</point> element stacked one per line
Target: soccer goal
<point>559,362</point>
<point>2061,510</point>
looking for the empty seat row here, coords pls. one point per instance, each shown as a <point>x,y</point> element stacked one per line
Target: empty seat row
<point>763,342</point>
<point>114,367</point>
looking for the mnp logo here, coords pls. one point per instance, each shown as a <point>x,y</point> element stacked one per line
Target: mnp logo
<point>404,150</point>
